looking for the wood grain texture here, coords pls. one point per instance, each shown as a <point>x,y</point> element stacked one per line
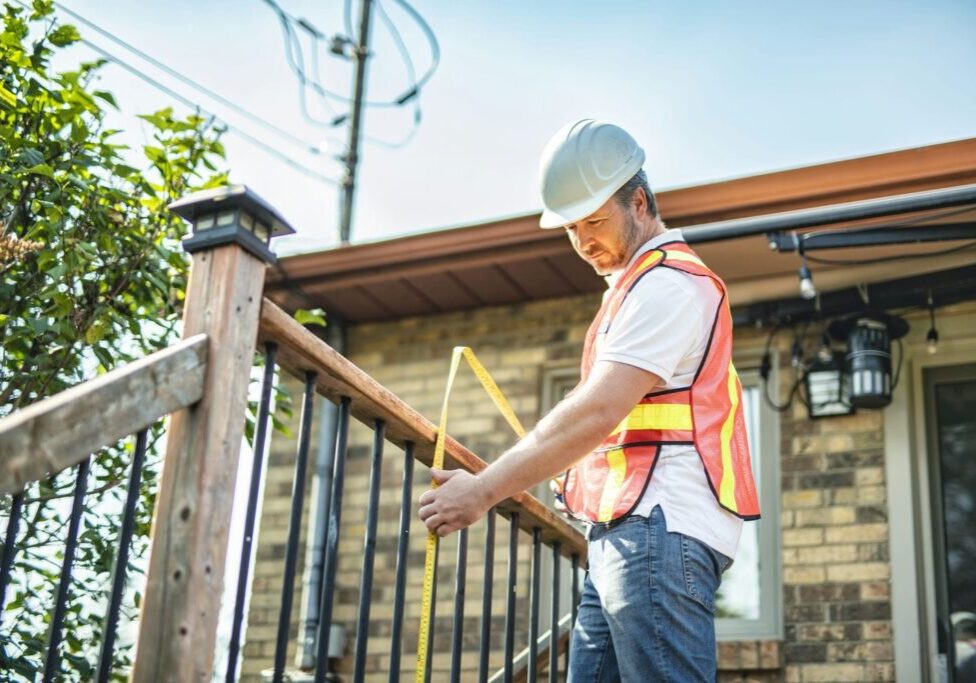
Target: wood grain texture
<point>61,431</point>
<point>191,525</point>
<point>299,351</point>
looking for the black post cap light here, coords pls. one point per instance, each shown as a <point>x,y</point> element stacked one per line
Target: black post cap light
<point>231,214</point>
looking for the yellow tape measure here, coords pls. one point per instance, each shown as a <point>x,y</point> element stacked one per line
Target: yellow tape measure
<point>430,563</point>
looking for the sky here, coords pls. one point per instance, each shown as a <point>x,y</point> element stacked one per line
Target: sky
<point>711,90</point>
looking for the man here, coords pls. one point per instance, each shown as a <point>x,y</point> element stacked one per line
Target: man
<point>653,436</point>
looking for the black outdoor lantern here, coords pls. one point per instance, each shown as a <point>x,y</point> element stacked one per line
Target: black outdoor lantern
<point>869,336</point>
<point>826,383</point>
<point>232,214</point>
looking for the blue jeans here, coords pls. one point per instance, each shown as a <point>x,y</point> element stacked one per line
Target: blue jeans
<point>647,611</point>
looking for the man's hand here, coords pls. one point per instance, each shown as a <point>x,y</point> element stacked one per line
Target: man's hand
<point>556,486</point>
<point>459,501</point>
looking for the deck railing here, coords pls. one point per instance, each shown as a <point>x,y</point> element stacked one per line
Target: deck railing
<point>60,433</point>
<point>326,372</point>
<point>202,384</point>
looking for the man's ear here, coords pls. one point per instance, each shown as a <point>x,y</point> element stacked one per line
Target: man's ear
<point>641,204</point>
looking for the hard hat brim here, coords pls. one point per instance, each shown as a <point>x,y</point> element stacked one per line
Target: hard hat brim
<point>552,219</point>
<point>573,214</point>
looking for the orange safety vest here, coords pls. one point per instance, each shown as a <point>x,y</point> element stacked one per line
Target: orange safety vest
<point>607,484</point>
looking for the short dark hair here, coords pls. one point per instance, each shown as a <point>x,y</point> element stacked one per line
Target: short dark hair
<point>625,195</point>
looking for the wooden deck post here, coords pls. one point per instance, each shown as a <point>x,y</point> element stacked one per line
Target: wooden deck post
<point>191,522</point>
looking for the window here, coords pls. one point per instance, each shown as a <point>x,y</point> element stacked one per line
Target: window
<point>750,595</point>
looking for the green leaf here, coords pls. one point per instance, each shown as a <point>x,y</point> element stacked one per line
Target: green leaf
<point>310,317</point>
<point>107,96</point>
<point>154,154</point>
<point>95,333</point>
<point>64,35</point>
<point>32,156</point>
<point>7,97</point>
<point>42,169</point>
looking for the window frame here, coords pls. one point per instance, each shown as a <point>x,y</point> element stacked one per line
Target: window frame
<point>769,624</point>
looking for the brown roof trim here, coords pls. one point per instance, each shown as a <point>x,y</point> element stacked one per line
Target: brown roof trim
<point>892,173</point>
<point>901,172</point>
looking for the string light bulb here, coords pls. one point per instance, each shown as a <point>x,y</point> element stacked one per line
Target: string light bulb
<point>807,290</point>
<point>932,338</point>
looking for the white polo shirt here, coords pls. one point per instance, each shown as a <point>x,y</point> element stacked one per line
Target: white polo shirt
<point>663,327</point>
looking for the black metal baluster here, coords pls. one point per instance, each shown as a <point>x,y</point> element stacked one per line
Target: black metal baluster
<point>576,596</point>
<point>369,551</point>
<point>554,616</point>
<point>486,596</point>
<point>399,592</point>
<point>10,547</point>
<point>574,601</point>
<point>332,547</point>
<point>510,608</point>
<point>294,527</point>
<point>459,587</point>
<point>534,605</point>
<point>260,437</point>
<point>122,558</point>
<point>53,659</point>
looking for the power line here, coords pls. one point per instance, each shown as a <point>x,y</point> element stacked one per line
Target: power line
<point>435,48</point>
<point>296,62</point>
<point>317,35</point>
<point>193,84</point>
<point>411,75</point>
<point>257,142</point>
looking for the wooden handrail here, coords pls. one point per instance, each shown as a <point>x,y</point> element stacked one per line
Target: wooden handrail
<point>62,430</point>
<point>300,351</point>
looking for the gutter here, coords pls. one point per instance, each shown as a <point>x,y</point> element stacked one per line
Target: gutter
<point>827,215</point>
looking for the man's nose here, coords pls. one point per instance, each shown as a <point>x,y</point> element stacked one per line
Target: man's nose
<point>584,239</point>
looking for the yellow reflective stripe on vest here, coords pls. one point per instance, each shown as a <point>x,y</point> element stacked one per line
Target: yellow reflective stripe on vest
<point>681,256</point>
<point>617,465</point>
<point>657,416</point>
<point>726,493</point>
<point>649,260</point>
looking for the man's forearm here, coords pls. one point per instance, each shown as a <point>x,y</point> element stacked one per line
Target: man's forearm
<point>567,433</point>
<point>574,428</point>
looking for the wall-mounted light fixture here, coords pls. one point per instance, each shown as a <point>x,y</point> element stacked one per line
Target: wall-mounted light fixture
<point>826,383</point>
<point>869,336</point>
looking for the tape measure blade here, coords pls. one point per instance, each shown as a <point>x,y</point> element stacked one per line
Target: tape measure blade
<point>433,609</point>
<point>429,590</point>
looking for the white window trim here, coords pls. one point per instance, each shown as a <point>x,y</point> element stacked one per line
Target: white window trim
<point>550,377</point>
<point>909,502</point>
<point>769,625</point>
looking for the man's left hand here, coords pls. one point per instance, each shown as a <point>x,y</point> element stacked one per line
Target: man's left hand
<point>459,501</point>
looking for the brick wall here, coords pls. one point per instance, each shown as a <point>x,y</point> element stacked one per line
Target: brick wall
<point>834,528</point>
<point>836,589</point>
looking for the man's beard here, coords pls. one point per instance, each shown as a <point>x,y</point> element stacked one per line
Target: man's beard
<point>630,242</point>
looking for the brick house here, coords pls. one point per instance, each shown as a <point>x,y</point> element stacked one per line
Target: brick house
<point>860,562</point>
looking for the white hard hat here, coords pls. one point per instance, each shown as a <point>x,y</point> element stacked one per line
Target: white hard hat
<point>582,166</point>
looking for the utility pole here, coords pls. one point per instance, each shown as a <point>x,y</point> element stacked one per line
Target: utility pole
<point>352,151</point>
